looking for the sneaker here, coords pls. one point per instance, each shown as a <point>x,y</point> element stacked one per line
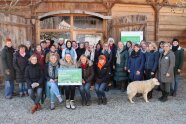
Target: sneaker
<point>52,106</point>
<point>72,104</point>
<point>60,99</point>
<point>104,101</point>
<point>8,97</point>
<point>21,94</point>
<point>68,104</point>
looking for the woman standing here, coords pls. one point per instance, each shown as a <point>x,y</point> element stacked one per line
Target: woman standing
<point>68,62</point>
<point>129,47</point>
<point>121,66</point>
<point>87,76</point>
<point>160,49</point>
<point>51,75</point>
<point>39,53</point>
<point>29,49</point>
<point>34,79</point>
<point>107,53</point>
<point>80,50</point>
<point>136,64</point>
<point>151,63</point>
<point>102,79</point>
<point>69,50</point>
<point>166,71</point>
<point>179,61</point>
<point>20,62</point>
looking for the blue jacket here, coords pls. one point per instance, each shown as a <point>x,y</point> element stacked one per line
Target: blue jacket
<point>152,59</point>
<point>136,63</point>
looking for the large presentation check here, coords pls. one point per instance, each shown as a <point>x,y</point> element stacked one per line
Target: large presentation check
<point>69,76</point>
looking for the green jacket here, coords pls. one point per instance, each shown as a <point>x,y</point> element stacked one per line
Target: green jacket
<point>179,60</point>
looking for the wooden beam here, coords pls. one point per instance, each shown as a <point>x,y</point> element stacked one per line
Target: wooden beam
<point>37,31</point>
<point>54,30</point>
<point>15,24</point>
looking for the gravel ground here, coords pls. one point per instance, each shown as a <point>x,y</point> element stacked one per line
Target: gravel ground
<point>117,111</point>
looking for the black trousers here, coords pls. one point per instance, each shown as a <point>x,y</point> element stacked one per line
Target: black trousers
<point>70,92</point>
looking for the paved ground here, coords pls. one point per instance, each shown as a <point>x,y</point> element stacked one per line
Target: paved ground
<point>117,111</point>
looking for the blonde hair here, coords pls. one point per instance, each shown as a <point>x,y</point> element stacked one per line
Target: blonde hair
<point>83,56</point>
<point>154,45</point>
<point>32,57</point>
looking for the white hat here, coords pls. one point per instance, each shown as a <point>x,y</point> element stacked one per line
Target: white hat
<point>27,43</point>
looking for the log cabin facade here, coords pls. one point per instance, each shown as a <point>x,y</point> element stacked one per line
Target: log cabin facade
<point>35,20</point>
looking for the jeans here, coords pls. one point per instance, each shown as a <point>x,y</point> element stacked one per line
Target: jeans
<point>70,92</point>
<point>85,91</point>
<point>35,94</point>
<point>9,88</point>
<point>23,87</point>
<point>175,83</point>
<point>53,90</point>
<point>100,89</point>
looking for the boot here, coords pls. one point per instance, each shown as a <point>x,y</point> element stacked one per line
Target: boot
<point>99,101</point>
<point>72,104</point>
<point>174,94</point>
<point>149,95</point>
<point>163,95</point>
<point>104,100</point>
<point>88,103</point>
<point>122,86</point>
<point>68,104</point>
<point>34,109</point>
<point>83,101</point>
<point>39,106</point>
<point>60,99</point>
<point>165,98</point>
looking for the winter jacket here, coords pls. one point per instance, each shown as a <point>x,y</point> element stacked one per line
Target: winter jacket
<point>136,63</point>
<point>179,60</point>
<point>7,63</point>
<point>20,63</point>
<point>72,52</point>
<point>166,65</point>
<point>151,60</point>
<point>51,71</point>
<point>103,75</point>
<point>120,73</point>
<point>34,73</point>
<point>88,72</point>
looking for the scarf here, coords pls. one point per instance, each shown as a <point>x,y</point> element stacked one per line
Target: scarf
<point>135,54</point>
<point>111,46</point>
<point>175,48</point>
<point>118,56</point>
<point>100,66</point>
<point>23,54</point>
<point>84,66</point>
<point>53,70</point>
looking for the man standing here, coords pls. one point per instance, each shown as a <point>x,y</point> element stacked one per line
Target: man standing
<point>8,70</point>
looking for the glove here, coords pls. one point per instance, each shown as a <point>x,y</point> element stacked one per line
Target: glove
<point>7,71</point>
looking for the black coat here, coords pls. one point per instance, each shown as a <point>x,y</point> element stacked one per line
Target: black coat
<point>7,63</point>
<point>80,51</point>
<point>20,64</point>
<point>34,73</point>
<point>103,75</point>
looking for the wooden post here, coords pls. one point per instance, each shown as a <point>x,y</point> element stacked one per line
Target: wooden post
<point>72,34</point>
<point>37,27</point>
<point>104,30</point>
<point>157,14</point>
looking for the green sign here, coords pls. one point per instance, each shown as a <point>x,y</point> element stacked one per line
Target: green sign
<point>69,76</point>
<point>134,39</point>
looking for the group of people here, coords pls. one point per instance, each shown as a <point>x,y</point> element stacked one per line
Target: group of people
<point>103,65</point>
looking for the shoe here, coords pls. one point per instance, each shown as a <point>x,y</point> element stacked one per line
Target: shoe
<point>149,95</point>
<point>60,99</point>
<point>104,101</point>
<point>39,106</point>
<point>52,106</point>
<point>174,94</point>
<point>83,102</point>
<point>163,95</point>
<point>88,103</point>
<point>99,101</point>
<point>26,94</point>
<point>165,98</point>
<point>21,94</point>
<point>72,104</point>
<point>8,97</point>
<point>68,104</point>
<point>34,109</point>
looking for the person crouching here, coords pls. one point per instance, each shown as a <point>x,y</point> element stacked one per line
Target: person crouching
<point>102,79</point>
<point>34,79</point>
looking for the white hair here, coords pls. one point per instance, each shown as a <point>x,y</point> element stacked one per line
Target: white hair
<point>111,39</point>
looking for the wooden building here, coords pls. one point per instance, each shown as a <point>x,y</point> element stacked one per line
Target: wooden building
<point>34,20</point>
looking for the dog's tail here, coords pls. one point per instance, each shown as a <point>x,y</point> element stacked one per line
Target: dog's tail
<point>128,90</point>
